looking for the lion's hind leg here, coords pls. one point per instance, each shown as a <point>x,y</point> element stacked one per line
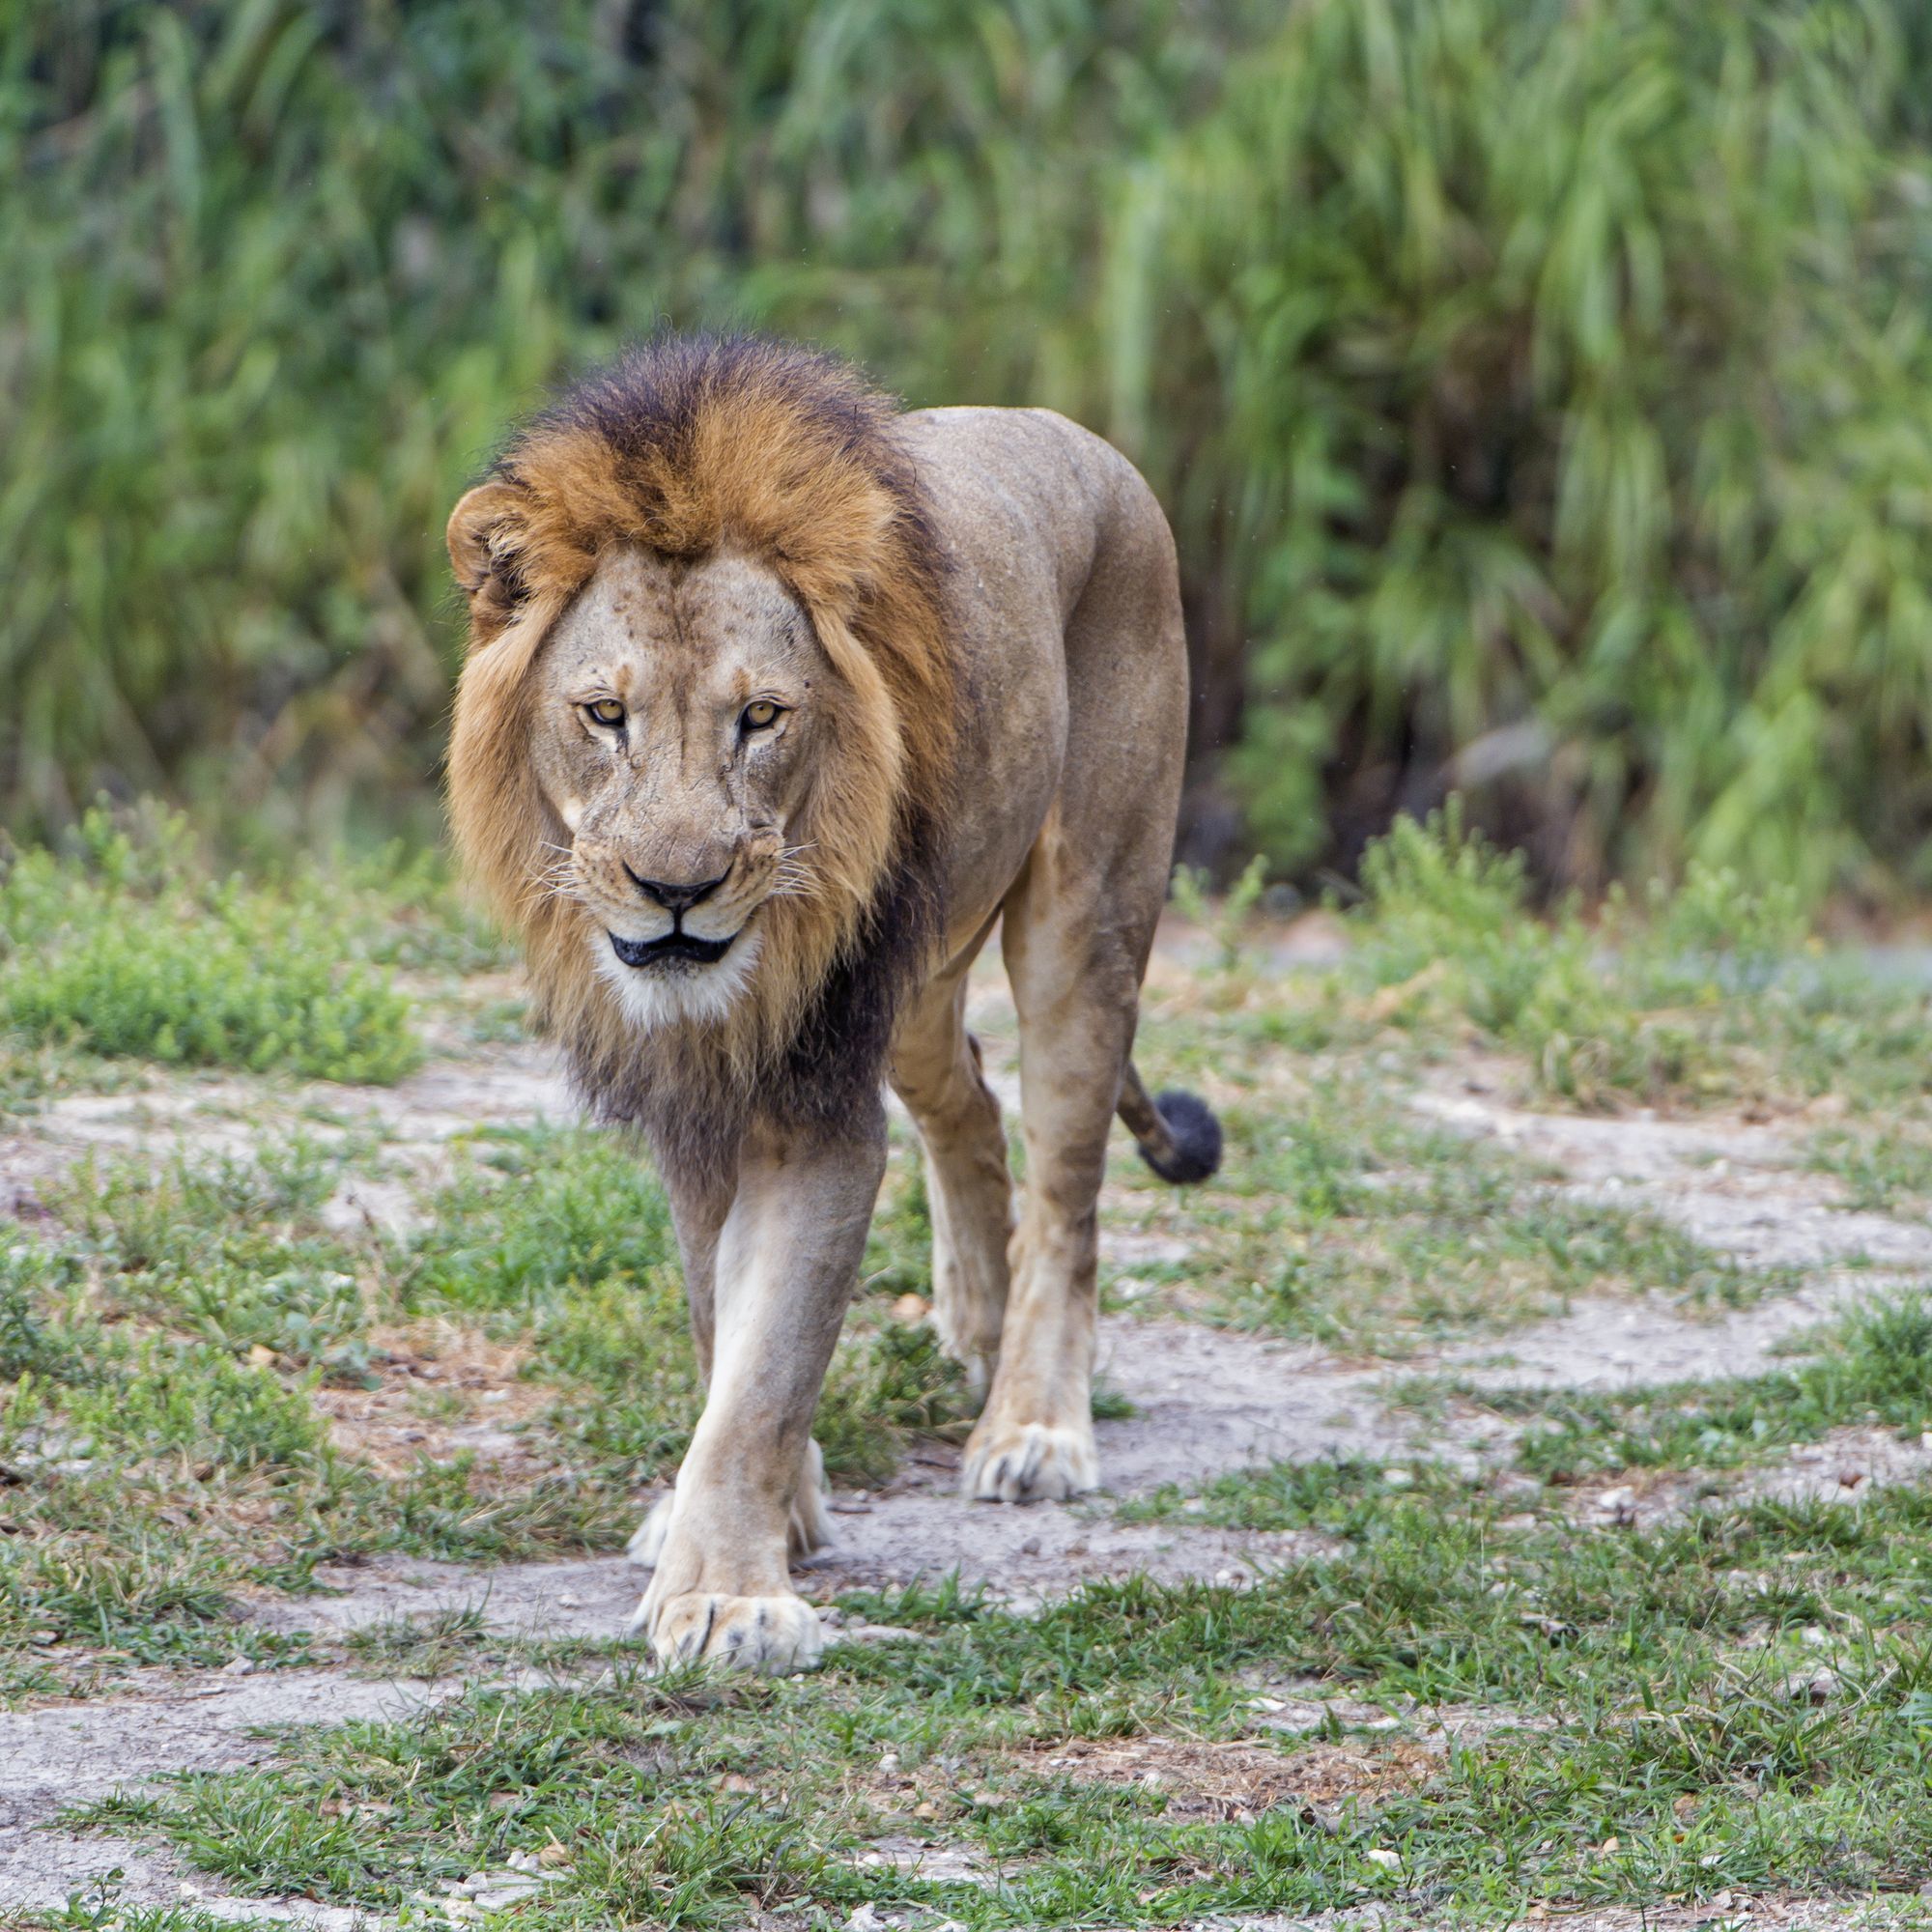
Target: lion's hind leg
<point>936,1072</point>
<point>1075,965</point>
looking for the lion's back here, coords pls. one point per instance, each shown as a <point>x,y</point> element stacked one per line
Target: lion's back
<point>1027,500</point>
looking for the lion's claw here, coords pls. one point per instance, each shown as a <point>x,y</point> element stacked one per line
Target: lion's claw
<point>1031,1462</point>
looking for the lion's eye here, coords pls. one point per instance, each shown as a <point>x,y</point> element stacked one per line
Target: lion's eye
<point>761,716</point>
<point>607,711</point>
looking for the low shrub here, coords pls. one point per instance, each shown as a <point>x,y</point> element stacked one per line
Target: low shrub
<point>132,945</point>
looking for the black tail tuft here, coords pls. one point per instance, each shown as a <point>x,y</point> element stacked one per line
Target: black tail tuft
<point>1194,1138</point>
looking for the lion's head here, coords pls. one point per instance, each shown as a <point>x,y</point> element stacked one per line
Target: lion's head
<point>703,723</point>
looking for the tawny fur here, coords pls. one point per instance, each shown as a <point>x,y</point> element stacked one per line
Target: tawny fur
<point>684,448</point>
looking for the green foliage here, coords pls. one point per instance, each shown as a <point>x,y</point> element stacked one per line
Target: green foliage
<point>1704,989</point>
<point>1543,389</point>
<point>568,1235</point>
<point>197,1402</point>
<point>1354,1227</point>
<point>229,1252</point>
<point>134,947</point>
<point>1622,1730</point>
<point>1539,392</point>
<point>1227,918</point>
<point>1874,1368</point>
<point>29,1276</point>
<point>1888,1171</point>
<point>285,274</point>
<point>543,1212</point>
<point>1439,897</point>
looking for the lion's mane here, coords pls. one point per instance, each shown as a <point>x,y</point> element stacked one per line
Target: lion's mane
<point>683,445</point>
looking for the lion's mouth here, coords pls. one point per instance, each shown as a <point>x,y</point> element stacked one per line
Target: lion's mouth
<point>676,947</point>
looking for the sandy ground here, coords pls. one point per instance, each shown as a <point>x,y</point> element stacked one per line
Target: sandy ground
<point>1203,1401</point>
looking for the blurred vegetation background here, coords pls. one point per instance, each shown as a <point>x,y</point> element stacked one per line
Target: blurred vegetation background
<point>1541,390</point>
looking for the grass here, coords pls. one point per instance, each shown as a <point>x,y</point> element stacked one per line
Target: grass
<point>1342,1495</point>
<point>219,1387</point>
<point>1708,993</point>
<point>133,947</point>
<point>1656,1748</point>
<point>1872,1369</point>
<point>565,1237</point>
<point>1888,1171</point>
<point>1715,993</point>
<point>1342,1217</point>
<point>204,1326</point>
<point>201,1336</point>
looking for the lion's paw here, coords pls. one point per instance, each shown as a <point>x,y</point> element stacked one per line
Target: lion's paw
<point>1028,1462</point>
<point>775,1636</point>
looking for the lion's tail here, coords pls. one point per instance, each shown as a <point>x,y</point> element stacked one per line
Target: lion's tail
<point>1177,1133</point>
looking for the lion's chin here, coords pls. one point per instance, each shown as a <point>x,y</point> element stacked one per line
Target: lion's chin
<point>695,985</point>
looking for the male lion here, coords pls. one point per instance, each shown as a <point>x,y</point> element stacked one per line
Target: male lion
<point>775,702</point>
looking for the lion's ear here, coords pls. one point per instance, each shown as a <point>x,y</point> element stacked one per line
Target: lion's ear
<point>481,537</point>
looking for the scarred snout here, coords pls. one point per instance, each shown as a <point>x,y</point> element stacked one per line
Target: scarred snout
<point>679,905</point>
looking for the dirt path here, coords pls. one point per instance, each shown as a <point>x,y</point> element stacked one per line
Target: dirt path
<point>1202,1400</point>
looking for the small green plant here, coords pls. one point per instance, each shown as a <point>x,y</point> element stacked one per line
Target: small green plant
<point>1225,921</point>
<point>29,1277</point>
<point>1440,901</point>
<point>1695,990</point>
<point>1888,1171</point>
<point>131,945</point>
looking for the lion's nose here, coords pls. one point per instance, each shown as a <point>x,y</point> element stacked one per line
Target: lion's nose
<point>677,898</point>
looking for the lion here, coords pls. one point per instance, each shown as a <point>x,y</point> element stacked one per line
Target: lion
<point>778,699</point>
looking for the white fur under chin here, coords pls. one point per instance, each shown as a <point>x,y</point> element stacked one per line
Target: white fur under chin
<point>691,996</point>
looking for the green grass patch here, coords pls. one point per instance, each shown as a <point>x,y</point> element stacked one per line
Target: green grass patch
<point>1340,1216</point>
<point>1656,1746</point>
<point>1708,993</point>
<point>132,947</point>
<point>1886,1172</point>
<point>162,1370</point>
<point>1874,1369</point>
<point>231,1251</point>
<point>1337,1495</point>
<point>566,1235</point>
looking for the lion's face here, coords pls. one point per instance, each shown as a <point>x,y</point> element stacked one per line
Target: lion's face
<point>698,533</point>
<point>677,709</point>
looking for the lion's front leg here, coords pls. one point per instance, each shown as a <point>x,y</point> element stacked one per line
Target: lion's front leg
<point>787,1257</point>
<point>699,1203</point>
<point>808,1531</point>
